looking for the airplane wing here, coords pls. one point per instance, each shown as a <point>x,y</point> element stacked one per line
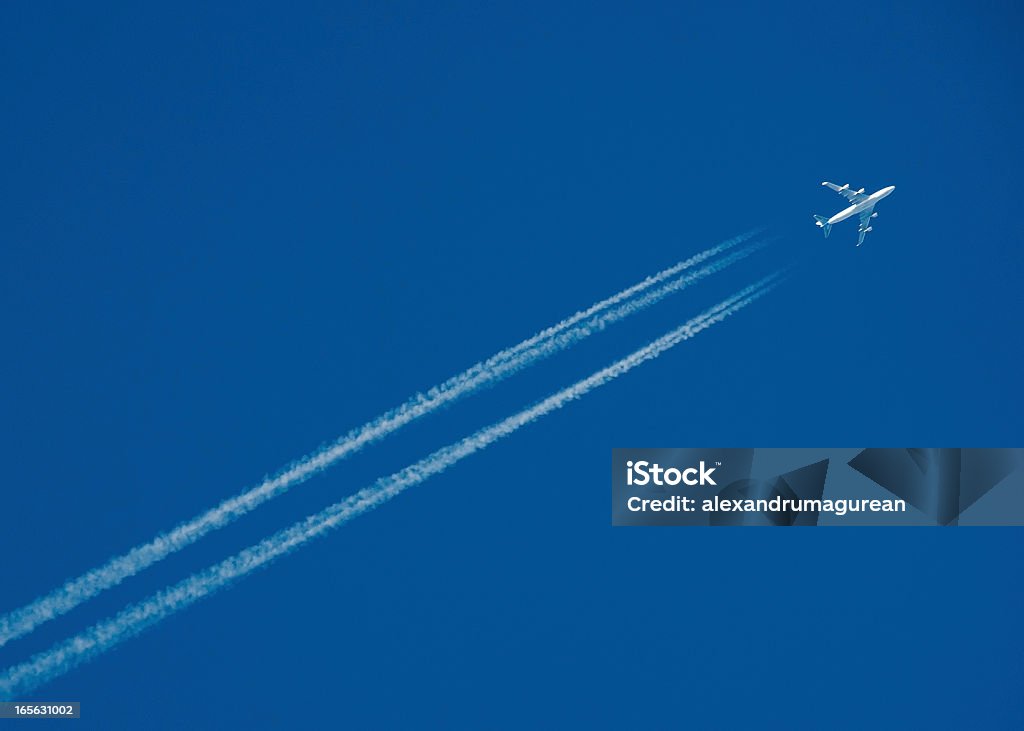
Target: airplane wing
<point>854,196</point>
<point>865,224</point>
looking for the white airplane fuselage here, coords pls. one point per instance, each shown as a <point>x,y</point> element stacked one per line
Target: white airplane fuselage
<point>858,207</point>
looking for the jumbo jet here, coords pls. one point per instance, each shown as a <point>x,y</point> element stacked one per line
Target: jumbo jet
<point>862,204</point>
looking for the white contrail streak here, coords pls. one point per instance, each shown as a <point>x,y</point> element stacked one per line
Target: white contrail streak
<point>61,658</point>
<point>625,294</point>
<point>548,342</point>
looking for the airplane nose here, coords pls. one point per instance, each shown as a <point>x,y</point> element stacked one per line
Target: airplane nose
<point>891,188</point>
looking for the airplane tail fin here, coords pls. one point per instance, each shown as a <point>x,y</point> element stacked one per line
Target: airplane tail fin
<point>822,223</point>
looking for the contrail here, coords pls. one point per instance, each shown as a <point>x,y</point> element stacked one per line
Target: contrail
<point>61,658</point>
<point>618,297</point>
<point>545,343</point>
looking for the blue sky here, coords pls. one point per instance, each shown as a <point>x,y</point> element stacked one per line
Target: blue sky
<point>232,234</point>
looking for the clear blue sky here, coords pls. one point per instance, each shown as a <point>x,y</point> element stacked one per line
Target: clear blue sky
<point>230,234</point>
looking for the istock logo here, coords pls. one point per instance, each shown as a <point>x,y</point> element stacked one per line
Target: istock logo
<point>644,472</point>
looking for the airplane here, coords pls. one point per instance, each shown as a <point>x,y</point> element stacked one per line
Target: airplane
<point>862,204</point>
